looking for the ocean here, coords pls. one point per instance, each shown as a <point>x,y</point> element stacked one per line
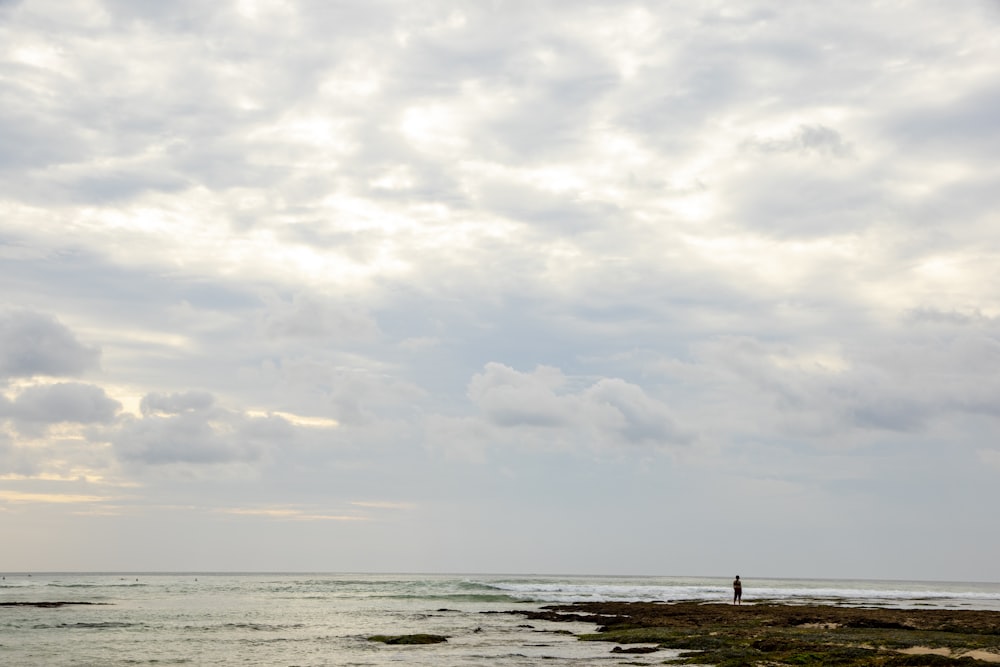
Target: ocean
<point>310,620</point>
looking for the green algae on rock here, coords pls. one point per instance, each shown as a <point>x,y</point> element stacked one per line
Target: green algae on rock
<point>775,634</point>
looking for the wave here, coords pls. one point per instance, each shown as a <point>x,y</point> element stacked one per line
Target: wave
<point>480,585</point>
<point>444,590</point>
<point>456,597</point>
<point>93,625</point>
<point>262,627</point>
<point>115,584</point>
<point>786,592</point>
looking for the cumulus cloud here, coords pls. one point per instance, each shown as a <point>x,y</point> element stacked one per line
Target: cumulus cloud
<point>63,402</point>
<point>38,344</point>
<point>184,428</point>
<point>508,397</point>
<point>624,408</point>
<point>547,404</point>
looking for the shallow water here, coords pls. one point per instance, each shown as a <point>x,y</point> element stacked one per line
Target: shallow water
<point>310,620</point>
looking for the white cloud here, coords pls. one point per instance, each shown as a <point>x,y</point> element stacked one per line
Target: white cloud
<point>172,404</point>
<point>288,243</point>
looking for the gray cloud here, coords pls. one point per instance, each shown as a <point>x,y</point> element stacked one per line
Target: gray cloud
<point>805,139</point>
<point>935,376</point>
<point>34,344</point>
<point>952,128</point>
<point>63,402</point>
<point>184,429</point>
<point>699,252</point>
<point>607,412</point>
<point>511,398</point>
<point>637,417</point>
<point>306,316</point>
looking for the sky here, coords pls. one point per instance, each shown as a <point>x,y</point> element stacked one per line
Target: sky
<point>590,287</point>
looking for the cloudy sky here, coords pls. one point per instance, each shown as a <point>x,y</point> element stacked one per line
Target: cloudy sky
<point>639,287</point>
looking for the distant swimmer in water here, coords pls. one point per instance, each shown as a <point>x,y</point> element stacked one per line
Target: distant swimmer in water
<point>737,590</point>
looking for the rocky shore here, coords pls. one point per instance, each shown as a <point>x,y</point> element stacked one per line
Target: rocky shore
<point>776,634</point>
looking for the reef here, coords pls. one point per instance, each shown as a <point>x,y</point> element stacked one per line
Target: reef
<point>778,634</point>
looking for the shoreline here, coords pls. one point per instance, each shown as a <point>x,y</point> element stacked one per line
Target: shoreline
<point>768,633</point>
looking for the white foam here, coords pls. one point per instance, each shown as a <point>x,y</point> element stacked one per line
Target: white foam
<point>900,594</point>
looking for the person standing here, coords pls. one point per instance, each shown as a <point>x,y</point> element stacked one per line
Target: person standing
<point>737,590</point>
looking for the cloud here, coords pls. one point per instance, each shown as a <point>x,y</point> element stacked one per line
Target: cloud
<point>286,513</point>
<point>805,139</point>
<point>952,127</point>
<point>307,316</point>
<point>50,498</point>
<point>545,404</point>
<point>382,504</point>
<point>33,344</point>
<point>63,402</point>
<point>187,428</point>
<point>173,404</point>
<point>693,242</point>
<point>624,408</point>
<point>941,370</point>
<point>183,439</point>
<point>508,397</point>
<point>990,457</point>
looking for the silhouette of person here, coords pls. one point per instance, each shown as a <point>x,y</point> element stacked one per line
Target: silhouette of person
<point>737,590</point>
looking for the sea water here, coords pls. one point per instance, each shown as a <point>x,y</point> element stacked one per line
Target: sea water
<point>308,620</point>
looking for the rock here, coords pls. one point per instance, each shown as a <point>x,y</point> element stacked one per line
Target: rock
<point>636,649</point>
<point>46,604</point>
<point>408,639</point>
